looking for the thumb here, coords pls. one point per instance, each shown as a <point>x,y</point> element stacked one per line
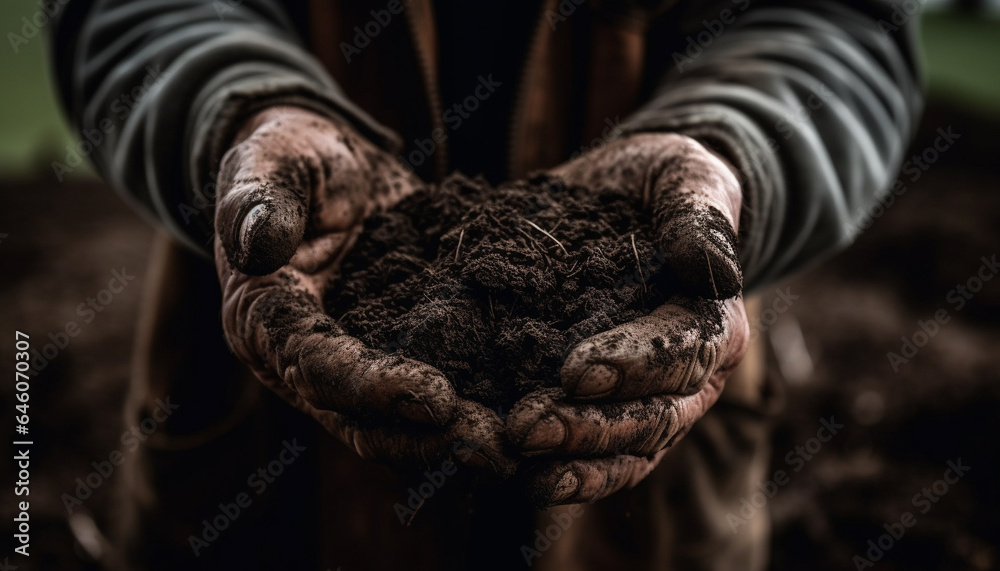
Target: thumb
<point>263,208</point>
<point>696,216</point>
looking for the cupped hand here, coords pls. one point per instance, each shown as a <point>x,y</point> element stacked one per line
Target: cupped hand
<point>294,190</point>
<point>630,393</point>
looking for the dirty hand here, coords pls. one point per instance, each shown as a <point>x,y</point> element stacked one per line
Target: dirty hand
<point>630,393</point>
<point>294,190</point>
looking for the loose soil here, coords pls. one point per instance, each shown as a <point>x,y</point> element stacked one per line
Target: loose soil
<point>495,286</point>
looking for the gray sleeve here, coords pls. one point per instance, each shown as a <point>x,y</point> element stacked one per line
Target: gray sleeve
<point>163,86</point>
<point>814,102</point>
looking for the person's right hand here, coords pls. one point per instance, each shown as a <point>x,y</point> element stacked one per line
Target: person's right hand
<point>632,392</point>
<point>294,190</point>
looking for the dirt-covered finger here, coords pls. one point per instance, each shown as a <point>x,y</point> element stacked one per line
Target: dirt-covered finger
<point>540,425</point>
<point>281,327</point>
<point>264,203</point>
<point>578,481</point>
<point>641,427</point>
<point>473,439</point>
<point>696,209</point>
<point>674,350</point>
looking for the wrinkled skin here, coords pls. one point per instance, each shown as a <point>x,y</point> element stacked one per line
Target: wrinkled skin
<point>294,190</point>
<point>631,393</point>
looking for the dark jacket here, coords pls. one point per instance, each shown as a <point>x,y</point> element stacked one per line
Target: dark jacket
<point>814,101</point>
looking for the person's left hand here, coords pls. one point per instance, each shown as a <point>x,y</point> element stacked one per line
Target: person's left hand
<point>630,393</point>
<point>294,190</point>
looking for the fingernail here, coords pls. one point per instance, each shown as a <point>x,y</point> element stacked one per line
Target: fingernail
<point>484,462</point>
<point>416,410</point>
<point>548,432</point>
<point>597,380</point>
<point>566,487</point>
<point>249,222</point>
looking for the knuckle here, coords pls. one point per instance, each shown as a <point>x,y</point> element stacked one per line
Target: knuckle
<point>592,439</point>
<point>706,362</point>
<point>612,477</point>
<point>291,375</point>
<point>230,163</point>
<point>661,432</point>
<point>359,441</point>
<point>638,469</point>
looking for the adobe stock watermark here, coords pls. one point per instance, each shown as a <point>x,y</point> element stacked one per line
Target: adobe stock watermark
<point>782,302</point>
<point>91,139</point>
<point>562,12</point>
<point>202,200</point>
<point>901,14</point>
<point>958,297</point>
<point>32,25</point>
<point>799,114</point>
<point>913,168</point>
<point>923,501</point>
<point>363,35</point>
<point>712,29</point>
<point>562,518</point>
<point>453,118</point>
<point>433,481</point>
<point>130,439</point>
<point>796,460</point>
<point>229,512</point>
<point>87,310</point>
<point>225,7</point>
<point>555,188</point>
<point>536,203</point>
<point>611,132</point>
<point>801,111</point>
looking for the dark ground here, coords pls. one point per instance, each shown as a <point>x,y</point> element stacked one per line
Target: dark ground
<point>63,241</point>
<point>901,427</point>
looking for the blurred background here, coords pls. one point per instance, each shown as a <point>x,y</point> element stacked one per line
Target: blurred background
<point>63,233</point>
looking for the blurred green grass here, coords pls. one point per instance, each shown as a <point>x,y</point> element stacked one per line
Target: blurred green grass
<point>962,54</point>
<point>33,132</point>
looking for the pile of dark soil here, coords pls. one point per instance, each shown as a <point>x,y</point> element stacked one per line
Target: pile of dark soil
<point>495,286</point>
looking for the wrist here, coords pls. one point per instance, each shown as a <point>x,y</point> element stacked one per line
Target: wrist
<point>705,170</point>
<point>270,115</point>
<point>729,186</point>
